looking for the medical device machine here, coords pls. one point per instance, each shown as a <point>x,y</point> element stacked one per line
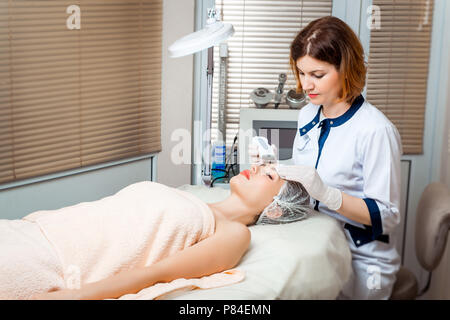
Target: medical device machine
<point>295,100</point>
<point>278,126</point>
<point>265,150</point>
<point>261,97</point>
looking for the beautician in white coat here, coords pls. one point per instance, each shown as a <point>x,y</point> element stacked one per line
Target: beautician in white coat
<point>347,153</point>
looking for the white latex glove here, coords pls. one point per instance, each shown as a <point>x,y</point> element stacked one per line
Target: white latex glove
<point>310,179</point>
<point>254,153</point>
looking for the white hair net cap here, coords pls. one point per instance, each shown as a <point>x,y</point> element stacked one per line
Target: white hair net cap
<point>290,205</point>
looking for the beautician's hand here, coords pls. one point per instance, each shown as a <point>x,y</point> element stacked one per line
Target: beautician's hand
<point>254,153</point>
<point>312,182</point>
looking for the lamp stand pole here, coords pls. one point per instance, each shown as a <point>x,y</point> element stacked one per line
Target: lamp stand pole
<point>206,170</point>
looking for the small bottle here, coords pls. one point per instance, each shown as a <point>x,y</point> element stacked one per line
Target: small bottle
<point>218,162</point>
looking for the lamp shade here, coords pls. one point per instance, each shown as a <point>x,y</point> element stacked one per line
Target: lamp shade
<point>211,35</point>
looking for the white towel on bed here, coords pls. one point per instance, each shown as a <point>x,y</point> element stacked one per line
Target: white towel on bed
<point>28,263</point>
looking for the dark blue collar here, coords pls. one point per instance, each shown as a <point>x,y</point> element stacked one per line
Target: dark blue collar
<point>334,122</point>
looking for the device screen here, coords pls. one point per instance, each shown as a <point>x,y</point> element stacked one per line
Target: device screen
<point>285,137</point>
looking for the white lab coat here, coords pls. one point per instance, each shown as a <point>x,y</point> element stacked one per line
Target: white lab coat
<point>358,153</point>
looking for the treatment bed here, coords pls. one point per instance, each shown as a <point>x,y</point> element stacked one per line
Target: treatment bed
<point>309,259</point>
<point>56,249</point>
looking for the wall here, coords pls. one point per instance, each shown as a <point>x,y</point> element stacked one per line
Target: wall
<point>177,88</point>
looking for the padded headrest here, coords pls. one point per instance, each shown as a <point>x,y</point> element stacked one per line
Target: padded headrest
<point>432,224</point>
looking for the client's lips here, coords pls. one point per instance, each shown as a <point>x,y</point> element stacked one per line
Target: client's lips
<point>246,173</point>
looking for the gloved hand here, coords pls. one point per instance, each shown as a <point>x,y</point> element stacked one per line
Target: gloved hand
<point>310,179</point>
<point>254,153</point>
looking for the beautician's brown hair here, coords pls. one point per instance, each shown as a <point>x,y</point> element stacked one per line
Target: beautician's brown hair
<point>331,40</point>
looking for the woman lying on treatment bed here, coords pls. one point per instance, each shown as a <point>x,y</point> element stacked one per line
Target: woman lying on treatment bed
<point>113,251</point>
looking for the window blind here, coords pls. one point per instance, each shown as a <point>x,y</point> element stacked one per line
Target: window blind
<point>258,51</point>
<point>71,98</point>
<point>398,66</point>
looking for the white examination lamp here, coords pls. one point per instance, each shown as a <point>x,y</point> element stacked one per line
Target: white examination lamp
<point>213,33</point>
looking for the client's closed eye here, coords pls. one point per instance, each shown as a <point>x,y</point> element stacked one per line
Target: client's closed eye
<point>271,173</point>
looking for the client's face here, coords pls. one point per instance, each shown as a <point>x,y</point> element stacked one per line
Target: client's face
<point>257,186</point>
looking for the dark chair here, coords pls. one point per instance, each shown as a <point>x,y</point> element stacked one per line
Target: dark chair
<point>432,225</point>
